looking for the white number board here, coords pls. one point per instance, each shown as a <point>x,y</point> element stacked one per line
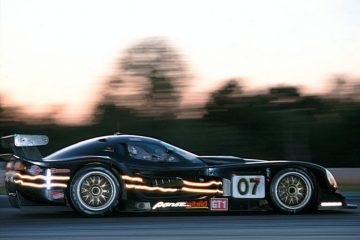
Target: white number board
<point>248,186</point>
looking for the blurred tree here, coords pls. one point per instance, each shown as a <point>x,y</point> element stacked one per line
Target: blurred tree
<point>1,109</point>
<point>284,92</point>
<point>113,118</point>
<point>340,83</point>
<point>111,89</point>
<point>158,73</point>
<point>222,100</point>
<point>8,114</point>
<point>228,105</point>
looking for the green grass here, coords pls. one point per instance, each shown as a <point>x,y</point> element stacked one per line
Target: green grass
<point>349,188</point>
<point>2,191</point>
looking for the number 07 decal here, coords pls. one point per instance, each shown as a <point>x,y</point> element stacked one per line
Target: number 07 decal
<point>248,186</point>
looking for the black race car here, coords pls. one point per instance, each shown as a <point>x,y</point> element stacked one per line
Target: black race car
<point>134,173</point>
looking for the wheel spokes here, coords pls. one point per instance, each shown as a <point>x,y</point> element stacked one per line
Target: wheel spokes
<point>292,190</point>
<point>95,190</point>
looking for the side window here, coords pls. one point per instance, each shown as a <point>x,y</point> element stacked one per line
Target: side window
<point>150,152</point>
<point>137,152</point>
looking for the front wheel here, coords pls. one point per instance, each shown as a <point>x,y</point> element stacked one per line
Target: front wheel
<point>291,190</point>
<point>94,191</point>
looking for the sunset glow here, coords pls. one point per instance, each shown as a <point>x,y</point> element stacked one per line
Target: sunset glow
<point>58,53</point>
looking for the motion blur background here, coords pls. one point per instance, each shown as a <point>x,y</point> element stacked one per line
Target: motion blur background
<point>256,79</point>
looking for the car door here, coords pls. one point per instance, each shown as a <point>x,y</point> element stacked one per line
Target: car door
<point>162,170</point>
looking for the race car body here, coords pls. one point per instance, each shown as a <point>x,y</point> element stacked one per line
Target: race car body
<point>135,173</point>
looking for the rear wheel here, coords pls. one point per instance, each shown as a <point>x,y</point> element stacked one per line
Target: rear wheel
<point>292,190</point>
<point>94,191</point>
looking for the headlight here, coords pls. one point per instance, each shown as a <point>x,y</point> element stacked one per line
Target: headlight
<point>331,179</point>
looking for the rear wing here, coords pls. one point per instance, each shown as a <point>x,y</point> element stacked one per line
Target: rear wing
<point>24,146</point>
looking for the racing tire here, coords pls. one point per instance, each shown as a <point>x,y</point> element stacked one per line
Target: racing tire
<point>94,191</point>
<point>292,190</point>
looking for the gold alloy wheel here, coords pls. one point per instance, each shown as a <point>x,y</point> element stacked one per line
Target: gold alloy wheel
<point>96,190</point>
<point>293,190</point>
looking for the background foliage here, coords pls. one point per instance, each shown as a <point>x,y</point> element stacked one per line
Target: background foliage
<point>143,96</point>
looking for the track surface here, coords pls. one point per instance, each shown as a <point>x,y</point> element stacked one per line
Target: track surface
<point>53,224</point>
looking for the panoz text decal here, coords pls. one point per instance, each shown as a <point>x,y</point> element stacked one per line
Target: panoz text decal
<point>169,204</point>
<point>185,204</point>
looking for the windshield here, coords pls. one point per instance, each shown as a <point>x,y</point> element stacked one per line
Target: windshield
<point>185,154</point>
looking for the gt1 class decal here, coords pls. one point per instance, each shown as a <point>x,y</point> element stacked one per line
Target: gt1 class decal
<point>185,204</point>
<point>219,204</point>
<point>248,186</point>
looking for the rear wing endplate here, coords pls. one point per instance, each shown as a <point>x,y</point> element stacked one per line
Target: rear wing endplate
<point>24,145</point>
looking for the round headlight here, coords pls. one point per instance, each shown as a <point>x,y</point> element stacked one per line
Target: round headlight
<point>331,179</point>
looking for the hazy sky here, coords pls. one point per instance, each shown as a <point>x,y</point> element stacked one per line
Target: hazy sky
<point>59,52</point>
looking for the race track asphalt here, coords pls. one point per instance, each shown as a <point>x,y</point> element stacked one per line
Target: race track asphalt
<point>55,224</point>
